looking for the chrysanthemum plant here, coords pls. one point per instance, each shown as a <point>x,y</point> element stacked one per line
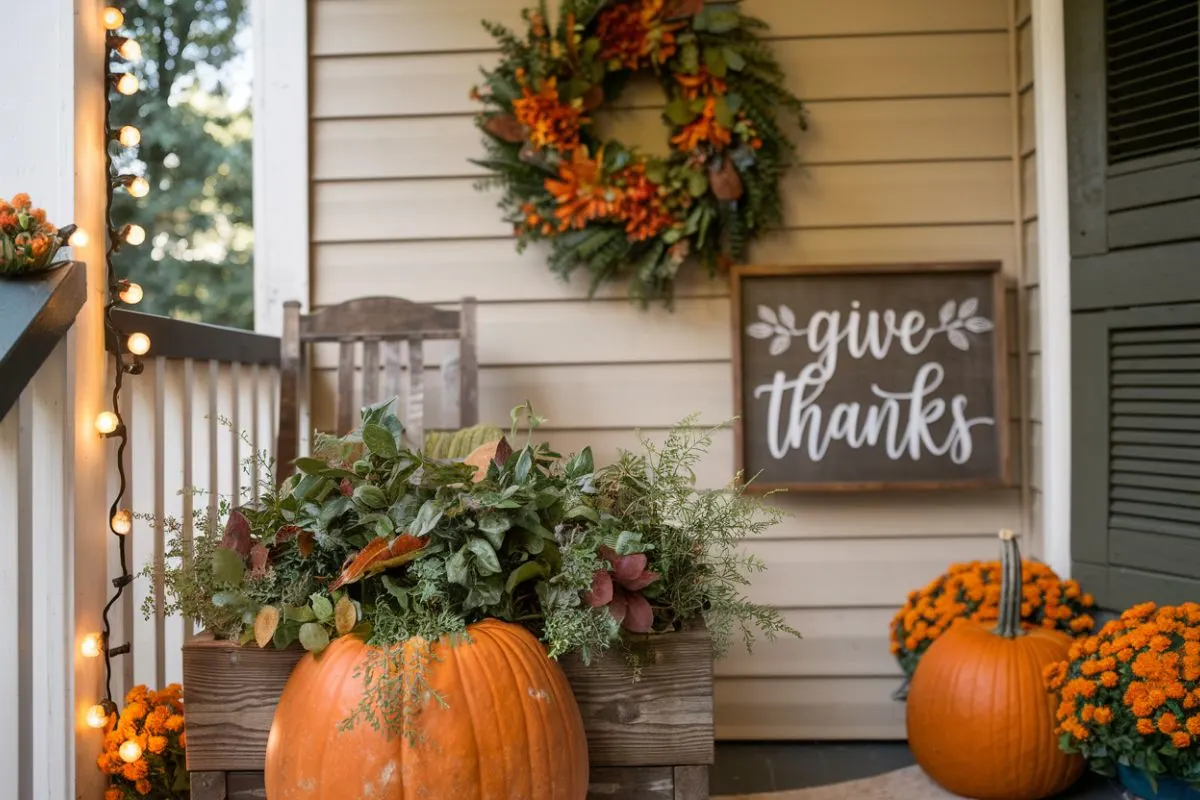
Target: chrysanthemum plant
<point>144,747</point>
<point>972,591</point>
<point>28,242</point>
<point>374,539</point>
<point>1130,695</point>
<point>603,206</point>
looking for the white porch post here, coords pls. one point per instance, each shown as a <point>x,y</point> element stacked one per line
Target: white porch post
<point>1054,256</point>
<point>281,133</point>
<point>53,141</point>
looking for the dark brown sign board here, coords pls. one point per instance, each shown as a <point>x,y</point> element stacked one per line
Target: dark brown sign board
<point>871,377</point>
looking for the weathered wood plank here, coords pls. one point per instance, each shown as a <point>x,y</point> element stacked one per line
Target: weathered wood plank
<point>231,697</point>
<point>663,718</point>
<point>631,783</point>
<point>206,785</point>
<point>691,783</point>
<point>246,786</point>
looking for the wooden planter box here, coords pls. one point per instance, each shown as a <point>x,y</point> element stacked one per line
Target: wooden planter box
<point>649,740</point>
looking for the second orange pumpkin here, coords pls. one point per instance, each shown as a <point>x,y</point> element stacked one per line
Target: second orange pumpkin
<point>510,727</point>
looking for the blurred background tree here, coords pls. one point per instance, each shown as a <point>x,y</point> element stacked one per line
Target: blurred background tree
<point>193,110</point>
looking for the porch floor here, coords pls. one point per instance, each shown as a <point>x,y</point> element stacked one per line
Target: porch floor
<point>749,767</point>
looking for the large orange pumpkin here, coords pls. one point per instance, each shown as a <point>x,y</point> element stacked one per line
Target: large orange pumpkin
<point>980,721</point>
<point>509,729</point>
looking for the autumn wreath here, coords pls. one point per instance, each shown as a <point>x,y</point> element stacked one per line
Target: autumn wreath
<point>603,205</point>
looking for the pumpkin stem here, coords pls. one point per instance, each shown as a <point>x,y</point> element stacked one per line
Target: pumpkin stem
<point>1009,624</point>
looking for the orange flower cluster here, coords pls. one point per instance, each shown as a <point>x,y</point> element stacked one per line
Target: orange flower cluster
<point>972,591</point>
<point>635,33</point>
<point>27,240</point>
<point>550,122</point>
<point>702,84</point>
<point>1140,674</point>
<point>704,128</point>
<point>583,194</point>
<point>154,722</point>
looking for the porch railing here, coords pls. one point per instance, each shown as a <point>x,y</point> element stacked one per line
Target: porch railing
<point>204,405</point>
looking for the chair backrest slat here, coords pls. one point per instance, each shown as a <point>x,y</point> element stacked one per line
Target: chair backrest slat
<point>384,327</point>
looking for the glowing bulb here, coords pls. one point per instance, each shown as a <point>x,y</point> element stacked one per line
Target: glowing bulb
<point>130,50</point>
<point>122,522</point>
<point>130,751</point>
<point>97,717</point>
<point>135,235</point>
<point>138,344</point>
<point>92,645</point>
<point>79,238</point>
<point>139,187</point>
<point>112,18</point>
<point>107,422</point>
<point>129,136</point>
<point>127,84</point>
<point>131,294</point>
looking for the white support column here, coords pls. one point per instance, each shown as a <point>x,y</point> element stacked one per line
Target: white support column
<point>1054,257</point>
<point>281,173</point>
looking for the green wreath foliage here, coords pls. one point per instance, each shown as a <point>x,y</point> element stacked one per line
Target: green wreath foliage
<point>604,206</point>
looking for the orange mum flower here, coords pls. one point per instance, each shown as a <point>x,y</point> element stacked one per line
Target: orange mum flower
<point>551,122</point>
<point>705,128</point>
<point>645,213</point>
<point>1193,726</point>
<point>1103,715</point>
<point>1145,727</point>
<point>1181,739</point>
<point>21,201</point>
<point>702,83</point>
<point>580,192</point>
<point>635,34</point>
<point>113,793</point>
<point>1168,723</point>
<point>144,786</point>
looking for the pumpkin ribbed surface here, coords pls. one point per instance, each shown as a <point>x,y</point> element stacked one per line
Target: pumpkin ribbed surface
<point>980,721</point>
<point>510,729</point>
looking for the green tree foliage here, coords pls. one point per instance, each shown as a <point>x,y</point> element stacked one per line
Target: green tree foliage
<point>198,259</point>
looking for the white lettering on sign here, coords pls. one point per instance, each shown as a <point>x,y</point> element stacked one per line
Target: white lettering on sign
<point>901,418</point>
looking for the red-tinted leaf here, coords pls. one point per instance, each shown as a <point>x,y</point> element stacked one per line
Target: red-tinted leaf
<point>628,568</point>
<point>506,127</point>
<point>306,542</point>
<point>503,451</point>
<point>403,549</point>
<point>641,581</point>
<point>258,559</point>
<point>608,554</point>
<point>237,534</point>
<point>286,534</point>
<point>639,617</point>
<point>618,605</point>
<point>682,9</point>
<point>487,453</point>
<point>725,182</point>
<point>593,98</point>
<point>602,589</point>
<point>345,487</point>
<point>359,563</point>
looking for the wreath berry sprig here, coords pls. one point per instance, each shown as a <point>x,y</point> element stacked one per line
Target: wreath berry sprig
<point>604,206</point>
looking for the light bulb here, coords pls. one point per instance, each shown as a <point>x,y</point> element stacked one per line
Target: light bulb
<point>107,422</point>
<point>122,522</point>
<point>130,50</point>
<point>92,645</point>
<point>112,18</point>
<point>131,294</point>
<point>139,187</point>
<point>130,751</point>
<point>135,235</point>
<point>129,136</point>
<point>97,717</point>
<point>79,238</point>
<point>138,344</point>
<point>127,84</point>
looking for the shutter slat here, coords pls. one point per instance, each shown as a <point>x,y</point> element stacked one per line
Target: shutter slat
<point>1168,481</point>
<point>1189,334</point>
<point>1156,409</point>
<point>1128,467</point>
<point>1156,423</point>
<point>1157,349</point>
<point>1177,440</point>
<point>1146,379</point>
<point>1156,496</point>
<point>1154,511</point>
<point>1157,453</point>
<point>1155,365</point>
<point>1144,525</point>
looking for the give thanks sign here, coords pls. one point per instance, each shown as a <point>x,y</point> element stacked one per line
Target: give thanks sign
<point>871,377</point>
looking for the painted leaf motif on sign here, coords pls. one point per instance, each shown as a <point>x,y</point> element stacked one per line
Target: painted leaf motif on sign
<point>779,344</point>
<point>761,330</point>
<point>787,317</point>
<point>978,325</point>
<point>968,307</point>
<point>958,339</point>
<point>947,312</point>
<point>767,315</point>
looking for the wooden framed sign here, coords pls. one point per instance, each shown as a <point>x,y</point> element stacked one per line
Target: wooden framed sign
<point>874,377</point>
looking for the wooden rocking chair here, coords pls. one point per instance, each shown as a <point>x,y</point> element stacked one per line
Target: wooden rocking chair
<point>385,327</point>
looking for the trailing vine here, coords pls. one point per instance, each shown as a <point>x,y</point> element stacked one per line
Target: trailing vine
<point>603,206</point>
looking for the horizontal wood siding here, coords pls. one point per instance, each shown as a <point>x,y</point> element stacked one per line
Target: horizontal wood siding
<point>910,157</point>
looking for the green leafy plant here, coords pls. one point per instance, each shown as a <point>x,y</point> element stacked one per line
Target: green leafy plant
<point>374,539</point>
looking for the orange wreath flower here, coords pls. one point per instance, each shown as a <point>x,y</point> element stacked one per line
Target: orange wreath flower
<point>705,128</point>
<point>634,33</point>
<point>550,122</point>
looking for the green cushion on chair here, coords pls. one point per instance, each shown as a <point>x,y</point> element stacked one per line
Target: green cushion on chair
<point>460,443</point>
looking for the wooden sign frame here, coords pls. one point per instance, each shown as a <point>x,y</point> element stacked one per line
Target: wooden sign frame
<point>1002,478</point>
